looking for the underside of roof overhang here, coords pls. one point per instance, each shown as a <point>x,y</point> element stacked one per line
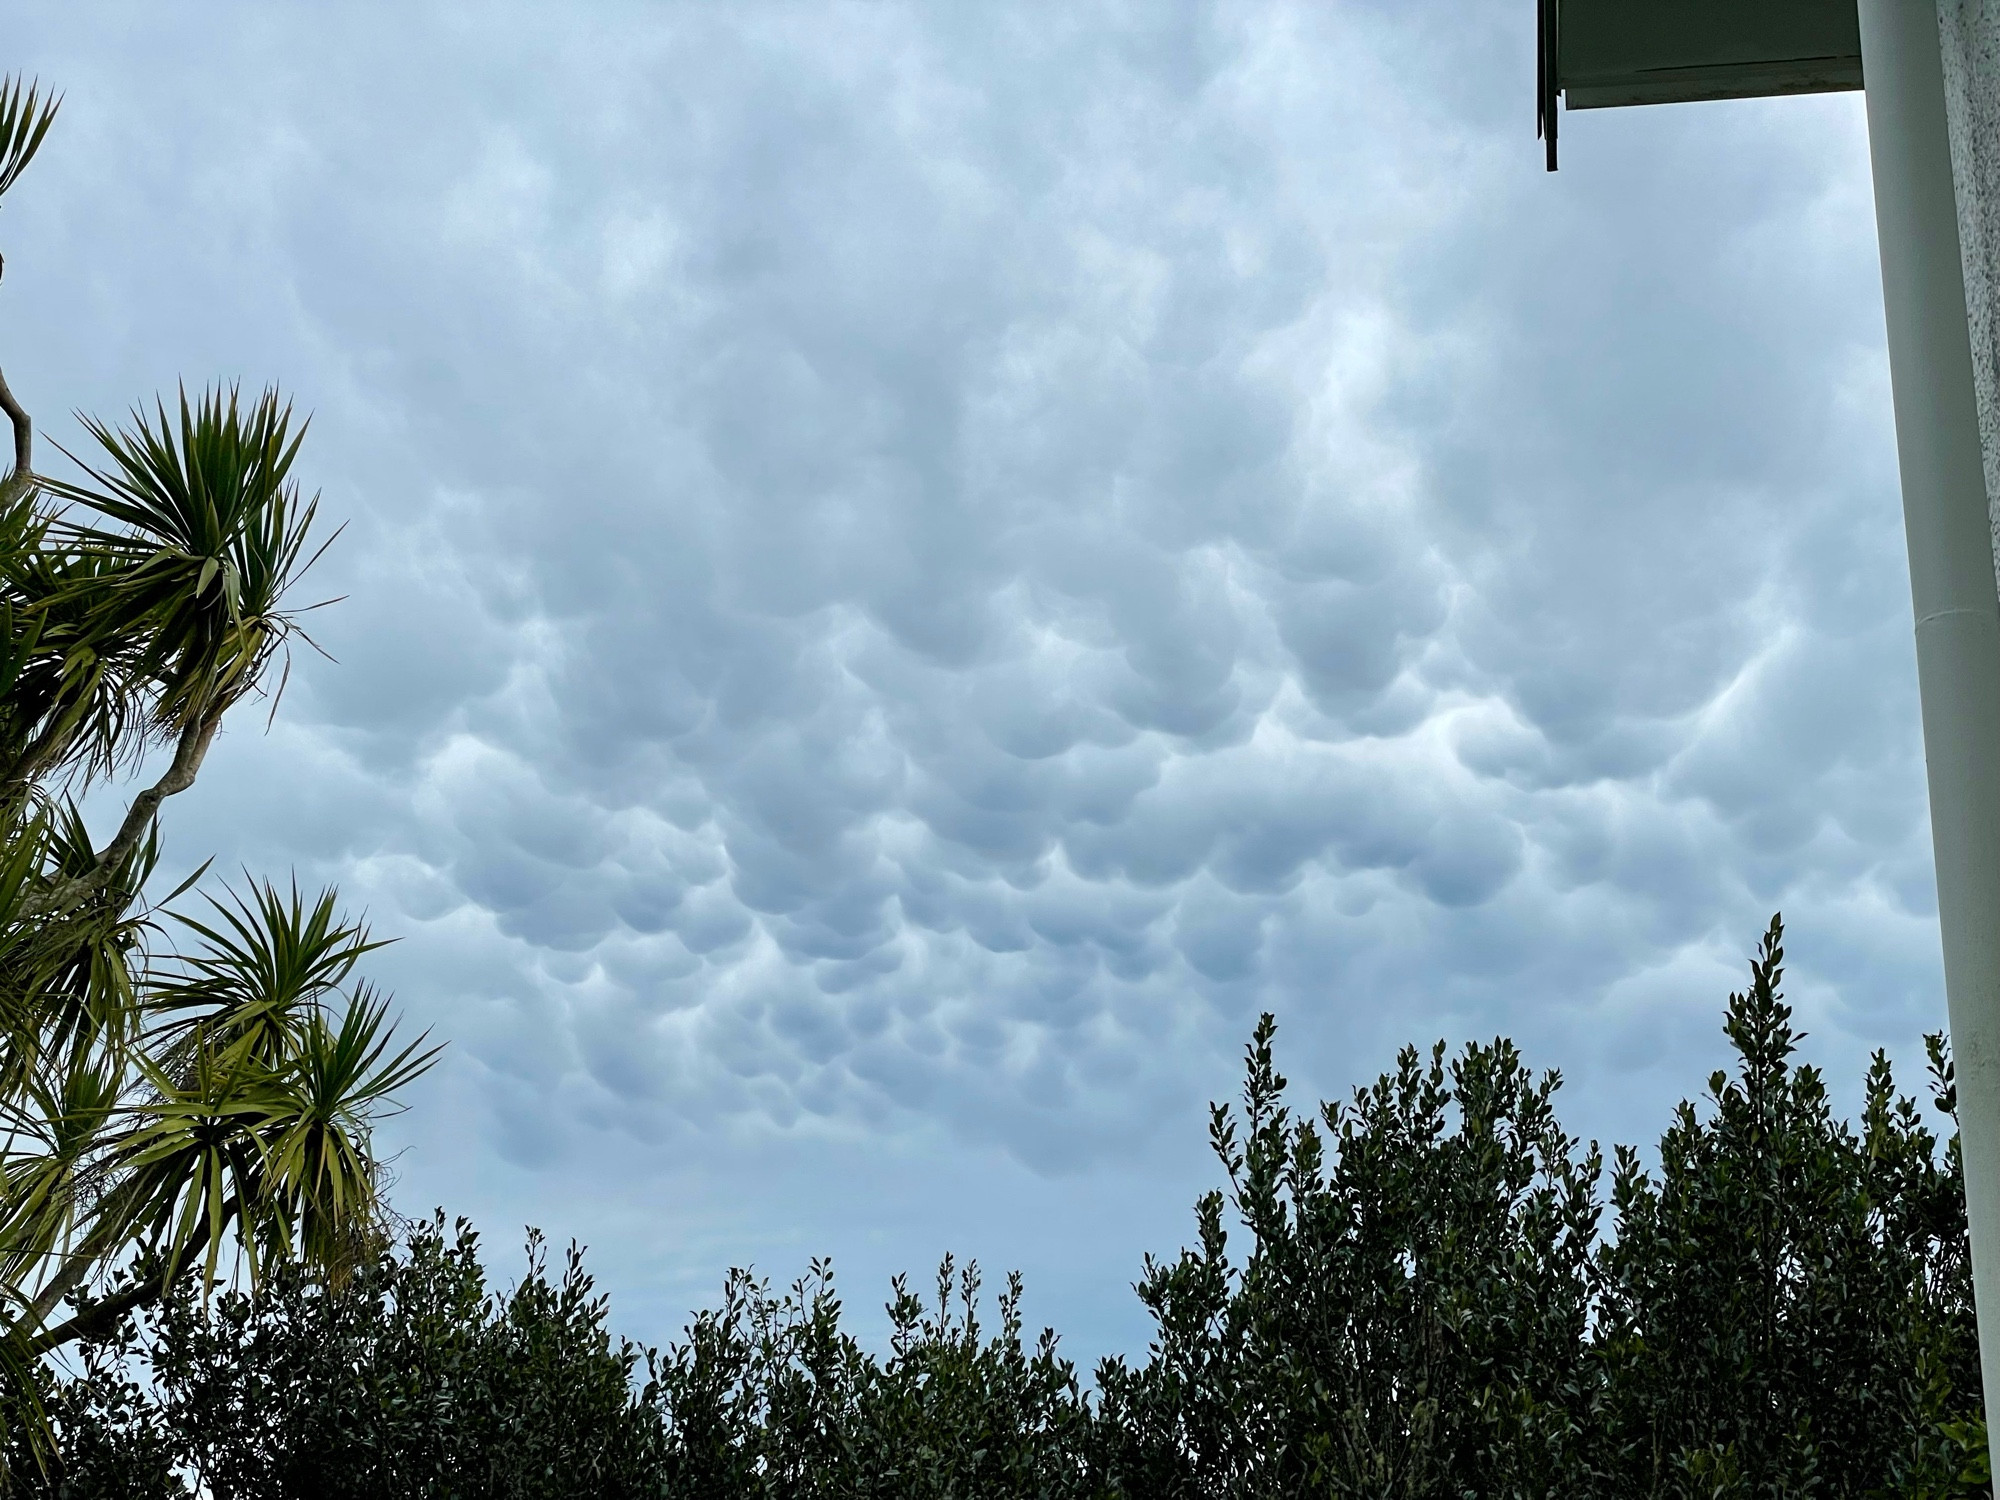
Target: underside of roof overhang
<point>1600,53</point>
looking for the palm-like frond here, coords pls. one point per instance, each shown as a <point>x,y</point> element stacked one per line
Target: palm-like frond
<point>75,972</point>
<point>192,1163</point>
<point>24,120</point>
<point>51,1172</point>
<point>323,1174</point>
<point>206,531</point>
<point>262,965</point>
<point>67,985</point>
<point>262,1106</point>
<point>233,1105</point>
<point>73,698</point>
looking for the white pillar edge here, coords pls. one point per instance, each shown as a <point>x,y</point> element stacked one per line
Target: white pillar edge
<point>1969,36</point>
<point>1969,47</point>
<point>1952,567</point>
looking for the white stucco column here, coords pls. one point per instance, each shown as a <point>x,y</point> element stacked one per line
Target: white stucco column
<point>1969,48</point>
<point>1932,176</point>
<point>1969,32</point>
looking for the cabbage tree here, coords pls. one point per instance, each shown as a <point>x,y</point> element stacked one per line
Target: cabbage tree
<point>182,1094</point>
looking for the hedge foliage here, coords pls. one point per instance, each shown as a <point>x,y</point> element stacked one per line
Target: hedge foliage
<point>1428,1290</point>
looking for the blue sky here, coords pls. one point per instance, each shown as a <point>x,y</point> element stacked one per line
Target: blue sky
<point>910,568</point>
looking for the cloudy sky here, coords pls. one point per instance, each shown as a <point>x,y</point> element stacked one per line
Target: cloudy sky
<point>909,568</point>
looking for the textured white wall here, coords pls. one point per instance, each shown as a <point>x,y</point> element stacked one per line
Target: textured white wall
<point>1971,36</point>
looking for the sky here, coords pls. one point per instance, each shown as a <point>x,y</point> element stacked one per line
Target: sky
<point>910,568</point>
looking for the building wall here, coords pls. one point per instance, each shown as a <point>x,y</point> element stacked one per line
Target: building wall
<point>1970,32</point>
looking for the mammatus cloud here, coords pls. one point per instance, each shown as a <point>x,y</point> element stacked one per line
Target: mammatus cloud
<point>913,568</point>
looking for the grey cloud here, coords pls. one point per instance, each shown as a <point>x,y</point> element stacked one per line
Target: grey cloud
<point>914,566</point>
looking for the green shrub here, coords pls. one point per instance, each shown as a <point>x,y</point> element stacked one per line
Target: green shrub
<point>768,1397</point>
<point>1426,1300</point>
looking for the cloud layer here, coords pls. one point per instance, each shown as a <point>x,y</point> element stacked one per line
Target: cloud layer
<point>912,567</point>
